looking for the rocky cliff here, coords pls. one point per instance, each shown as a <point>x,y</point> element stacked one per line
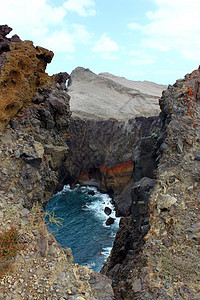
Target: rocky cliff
<point>33,121</point>
<point>101,152</point>
<point>156,250</point>
<point>109,117</point>
<point>163,262</point>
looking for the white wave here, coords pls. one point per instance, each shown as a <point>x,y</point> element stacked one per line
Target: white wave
<point>97,203</point>
<point>90,265</point>
<point>106,251</point>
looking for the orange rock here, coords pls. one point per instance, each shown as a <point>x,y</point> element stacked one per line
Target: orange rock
<point>117,177</point>
<point>22,73</point>
<point>113,178</point>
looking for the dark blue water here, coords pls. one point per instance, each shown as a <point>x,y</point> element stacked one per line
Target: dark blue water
<point>84,229</point>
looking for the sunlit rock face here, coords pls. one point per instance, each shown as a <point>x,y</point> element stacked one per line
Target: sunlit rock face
<point>22,70</point>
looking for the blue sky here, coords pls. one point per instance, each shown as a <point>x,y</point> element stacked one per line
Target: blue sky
<point>154,40</point>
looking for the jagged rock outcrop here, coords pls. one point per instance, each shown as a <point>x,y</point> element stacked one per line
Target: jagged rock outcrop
<point>164,263</point>
<point>32,149</point>
<point>22,70</point>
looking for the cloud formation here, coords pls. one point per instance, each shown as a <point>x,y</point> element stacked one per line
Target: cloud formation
<point>63,41</point>
<point>174,25</point>
<point>82,7</point>
<point>33,16</point>
<point>106,47</point>
<point>44,23</point>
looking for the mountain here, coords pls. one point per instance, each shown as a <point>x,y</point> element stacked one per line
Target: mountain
<point>106,96</point>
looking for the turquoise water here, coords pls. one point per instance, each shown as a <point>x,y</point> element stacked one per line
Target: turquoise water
<point>84,229</point>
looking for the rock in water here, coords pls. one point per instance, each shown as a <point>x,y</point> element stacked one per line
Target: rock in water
<point>107,210</point>
<point>110,221</point>
<point>92,193</point>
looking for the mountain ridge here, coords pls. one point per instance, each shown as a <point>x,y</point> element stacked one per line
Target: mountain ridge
<point>100,98</point>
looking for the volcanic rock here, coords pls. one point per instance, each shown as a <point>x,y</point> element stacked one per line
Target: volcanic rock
<point>165,258</point>
<point>22,71</point>
<point>110,221</point>
<point>32,149</point>
<point>107,210</point>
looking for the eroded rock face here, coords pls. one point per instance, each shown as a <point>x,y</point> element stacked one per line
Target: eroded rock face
<point>22,70</point>
<point>164,264</point>
<point>102,151</point>
<point>32,150</point>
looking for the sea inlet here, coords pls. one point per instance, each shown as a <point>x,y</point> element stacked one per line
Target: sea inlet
<point>83,228</point>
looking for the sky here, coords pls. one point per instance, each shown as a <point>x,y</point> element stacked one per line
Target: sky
<point>153,40</point>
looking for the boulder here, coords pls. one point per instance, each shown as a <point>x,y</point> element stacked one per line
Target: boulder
<point>33,154</point>
<point>165,201</point>
<point>92,193</point>
<point>55,155</point>
<point>22,71</point>
<point>107,210</point>
<point>194,232</point>
<point>140,198</point>
<point>110,221</point>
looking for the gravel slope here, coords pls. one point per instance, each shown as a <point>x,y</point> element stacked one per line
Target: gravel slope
<point>106,96</point>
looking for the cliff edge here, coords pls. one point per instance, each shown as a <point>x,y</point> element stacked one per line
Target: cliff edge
<point>34,119</point>
<point>163,262</point>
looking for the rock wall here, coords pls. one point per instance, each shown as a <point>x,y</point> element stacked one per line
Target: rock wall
<point>101,152</point>
<point>33,123</point>
<point>22,69</point>
<point>163,263</point>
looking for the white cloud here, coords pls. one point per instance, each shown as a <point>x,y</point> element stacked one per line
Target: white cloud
<point>31,19</point>
<point>105,45</point>
<point>64,41</point>
<point>82,7</point>
<point>60,41</point>
<point>43,23</point>
<point>81,34</point>
<point>135,26</point>
<point>174,25</point>
<point>139,58</point>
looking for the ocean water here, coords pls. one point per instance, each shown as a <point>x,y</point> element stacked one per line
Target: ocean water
<point>84,227</point>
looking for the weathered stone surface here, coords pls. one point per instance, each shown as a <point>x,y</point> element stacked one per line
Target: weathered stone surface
<point>165,201</point>
<point>103,151</point>
<point>197,155</point>
<point>136,286</point>
<point>194,232</point>
<point>55,155</point>
<point>104,96</point>
<point>123,201</point>
<point>166,259</point>
<point>32,149</point>
<point>33,153</point>
<point>22,72</point>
